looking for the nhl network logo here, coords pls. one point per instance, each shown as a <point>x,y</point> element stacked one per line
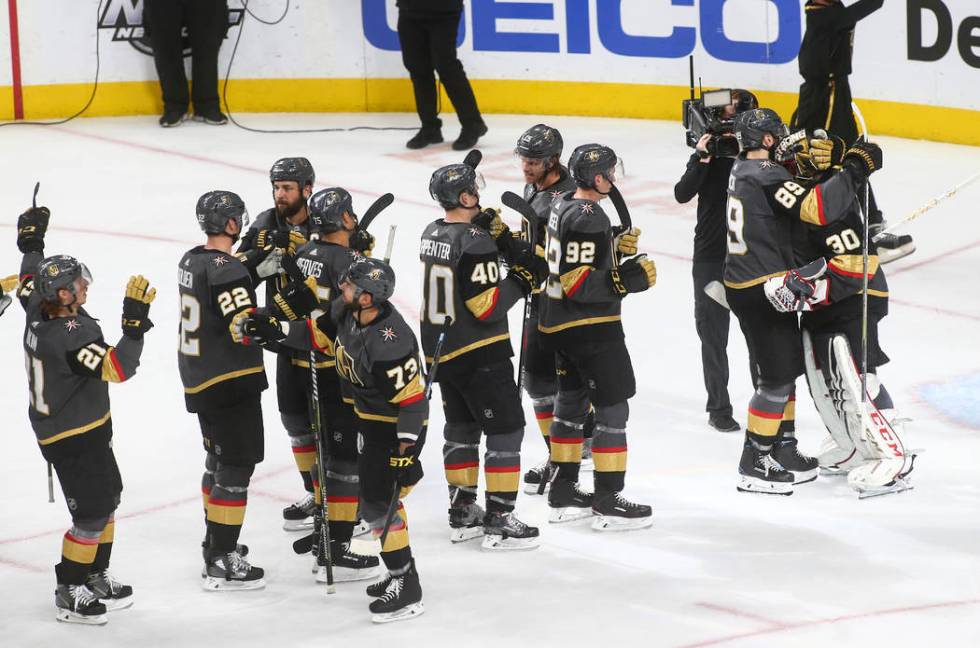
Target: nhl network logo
<point>125,19</point>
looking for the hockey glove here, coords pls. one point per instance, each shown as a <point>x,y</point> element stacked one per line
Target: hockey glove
<point>263,259</point>
<point>7,286</point>
<point>405,464</point>
<point>489,219</point>
<point>800,289</point>
<point>634,275</point>
<point>864,158</point>
<point>627,240</point>
<point>32,225</point>
<point>136,307</point>
<point>297,299</point>
<point>527,268</point>
<point>251,326</point>
<point>362,241</point>
<point>819,154</point>
<point>295,241</point>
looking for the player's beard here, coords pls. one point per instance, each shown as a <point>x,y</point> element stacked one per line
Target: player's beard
<point>288,210</point>
<point>536,178</point>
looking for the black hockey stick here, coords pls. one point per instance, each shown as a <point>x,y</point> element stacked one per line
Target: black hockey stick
<point>37,187</point>
<point>378,206</point>
<point>396,489</point>
<point>518,204</point>
<point>473,158</point>
<point>624,215</point>
<point>323,511</point>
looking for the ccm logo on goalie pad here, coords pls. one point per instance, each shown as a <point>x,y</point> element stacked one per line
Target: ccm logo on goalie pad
<point>885,432</point>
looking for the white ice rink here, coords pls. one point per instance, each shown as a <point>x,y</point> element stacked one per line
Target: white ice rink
<point>718,567</point>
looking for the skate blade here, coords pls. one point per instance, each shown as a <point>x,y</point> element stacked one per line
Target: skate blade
<point>587,465</point>
<point>568,514</point>
<point>212,584</point>
<point>804,476</point>
<point>464,534</point>
<point>408,612</point>
<point>833,471</point>
<point>532,489</point>
<point>361,528</point>
<point>887,255</point>
<point>748,484</point>
<point>900,486</point>
<point>346,574</point>
<point>494,542</point>
<point>615,523</point>
<point>67,616</point>
<point>298,525</point>
<point>111,604</point>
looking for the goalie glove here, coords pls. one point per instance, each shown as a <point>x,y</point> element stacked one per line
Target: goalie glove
<point>136,307</point>
<point>800,289</point>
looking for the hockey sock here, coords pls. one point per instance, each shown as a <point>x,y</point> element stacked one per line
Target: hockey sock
<point>303,445</point>
<point>207,479</point>
<point>544,413</point>
<point>461,456</point>
<point>502,468</point>
<point>566,447</point>
<point>78,550</point>
<point>609,447</point>
<point>766,409</point>
<point>104,552</point>
<point>342,490</point>
<point>226,506</point>
<point>787,427</point>
<point>396,552</point>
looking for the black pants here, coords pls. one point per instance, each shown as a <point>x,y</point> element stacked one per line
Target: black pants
<point>826,104</point>
<point>207,23</point>
<point>429,43</point>
<point>711,320</point>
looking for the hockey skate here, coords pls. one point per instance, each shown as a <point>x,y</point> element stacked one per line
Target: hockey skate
<point>616,513</point>
<point>545,471</point>
<point>401,600</point>
<point>891,247</point>
<point>228,572</point>
<point>361,528</point>
<point>587,464</point>
<point>504,532</point>
<point>377,589</point>
<point>110,592</point>
<point>567,502</point>
<point>299,515</point>
<point>787,454</point>
<point>465,519</point>
<point>347,565</point>
<point>79,604</point>
<point>760,473</point>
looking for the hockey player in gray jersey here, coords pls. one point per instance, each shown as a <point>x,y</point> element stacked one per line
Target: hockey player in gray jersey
<point>323,260</point>
<point>580,320</point>
<point>763,202</point>
<point>223,383</point>
<point>69,367</point>
<point>462,284</point>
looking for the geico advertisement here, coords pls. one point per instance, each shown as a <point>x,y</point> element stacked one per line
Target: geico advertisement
<point>920,51</point>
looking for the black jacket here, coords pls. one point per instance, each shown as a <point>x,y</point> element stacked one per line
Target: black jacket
<point>709,182</point>
<point>430,6</point>
<point>829,39</point>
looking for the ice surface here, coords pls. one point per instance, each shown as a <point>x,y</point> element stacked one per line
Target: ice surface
<point>717,567</point>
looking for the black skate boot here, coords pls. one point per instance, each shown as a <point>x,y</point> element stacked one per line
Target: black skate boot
<point>111,593</point>
<point>375,590</point>
<point>465,517</point>
<point>79,604</point>
<point>402,598</point>
<point>347,565</point>
<point>299,516</point>
<point>504,532</point>
<point>760,473</point>
<point>788,455</point>
<point>543,472</point>
<point>232,572</point>
<point>567,502</point>
<point>891,247</point>
<point>616,513</point>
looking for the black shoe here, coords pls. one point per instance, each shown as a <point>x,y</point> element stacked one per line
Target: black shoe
<point>724,423</point>
<point>211,117</point>
<point>424,137</point>
<point>760,473</point>
<point>469,136</point>
<point>172,118</point>
<point>788,455</point>
<point>402,598</point>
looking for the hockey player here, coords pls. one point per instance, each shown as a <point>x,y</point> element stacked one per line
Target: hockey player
<point>832,333</point>
<point>69,366</point>
<point>580,320</point>
<point>763,201</point>
<point>462,283</point>
<point>539,151</point>
<point>223,383</point>
<point>323,261</point>
<point>283,228</point>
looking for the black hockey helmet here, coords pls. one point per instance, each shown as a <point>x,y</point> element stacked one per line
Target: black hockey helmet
<point>327,209</point>
<point>752,126</point>
<point>57,272</point>
<point>450,181</point>
<point>372,276</point>
<point>744,100</point>
<point>216,208</point>
<point>589,160</point>
<point>540,142</point>
<point>297,169</point>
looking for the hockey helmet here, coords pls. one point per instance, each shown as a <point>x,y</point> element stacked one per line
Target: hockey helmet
<point>327,208</point>
<point>752,126</point>
<point>57,272</point>
<point>297,169</point>
<point>540,142</point>
<point>450,181</point>
<point>372,276</point>
<point>589,160</point>
<point>216,208</point>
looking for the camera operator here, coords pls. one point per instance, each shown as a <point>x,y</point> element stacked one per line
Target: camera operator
<point>706,177</point>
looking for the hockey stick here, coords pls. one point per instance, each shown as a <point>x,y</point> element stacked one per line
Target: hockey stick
<point>391,242</point>
<point>429,381</point>
<point>864,267</point>
<point>926,207</point>
<point>323,512</point>
<point>624,217</point>
<point>37,187</point>
<point>473,158</point>
<point>378,206</point>
<point>518,204</point>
